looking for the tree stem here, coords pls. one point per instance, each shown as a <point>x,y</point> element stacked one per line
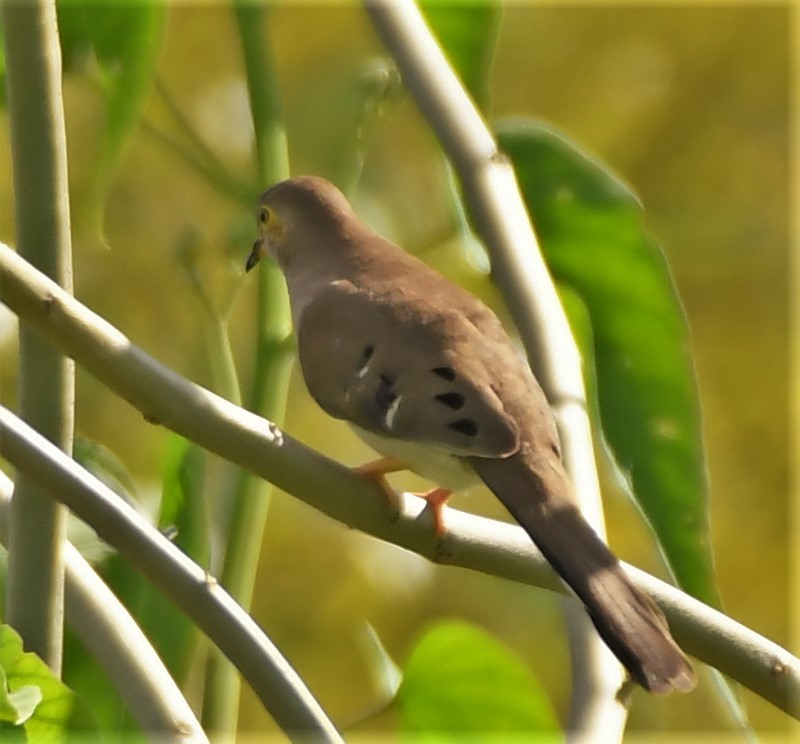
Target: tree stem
<point>35,592</point>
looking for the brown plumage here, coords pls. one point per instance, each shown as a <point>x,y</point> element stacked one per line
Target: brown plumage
<point>425,373</point>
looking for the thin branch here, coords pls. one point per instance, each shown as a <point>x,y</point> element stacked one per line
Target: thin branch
<point>246,439</point>
<point>281,691</point>
<point>494,199</point>
<point>35,590</point>
<point>112,636</point>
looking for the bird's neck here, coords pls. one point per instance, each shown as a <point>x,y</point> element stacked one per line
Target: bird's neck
<point>307,278</point>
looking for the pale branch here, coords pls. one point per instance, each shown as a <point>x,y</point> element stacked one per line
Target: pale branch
<point>191,588</point>
<point>119,646</point>
<point>494,199</point>
<point>471,542</point>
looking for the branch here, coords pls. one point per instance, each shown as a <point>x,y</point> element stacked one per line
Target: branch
<point>470,542</point>
<point>107,629</point>
<point>495,202</point>
<point>35,591</point>
<point>281,691</point>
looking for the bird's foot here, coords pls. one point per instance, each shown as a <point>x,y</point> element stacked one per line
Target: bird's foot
<point>436,500</point>
<point>377,470</point>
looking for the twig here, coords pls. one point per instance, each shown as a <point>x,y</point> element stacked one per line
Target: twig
<point>253,443</point>
<point>494,199</point>
<point>107,629</point>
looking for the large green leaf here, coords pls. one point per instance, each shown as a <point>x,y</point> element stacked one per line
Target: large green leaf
<point>459,679</point>
<point>31,696</point>
<point>125,38</point>
<point>592,233</point>
<point>467,32</point>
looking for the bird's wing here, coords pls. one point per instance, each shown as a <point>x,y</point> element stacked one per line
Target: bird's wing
<point>395,370</point>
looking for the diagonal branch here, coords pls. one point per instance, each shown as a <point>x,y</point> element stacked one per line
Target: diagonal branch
<point>192,589</point>
<point>107,629</point>
<point>252,442</point>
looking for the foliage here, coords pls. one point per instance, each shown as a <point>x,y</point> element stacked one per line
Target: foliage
<point>459,679</point>
<point>592,233</point>
<point>32,698</point>
<point>613,275</point>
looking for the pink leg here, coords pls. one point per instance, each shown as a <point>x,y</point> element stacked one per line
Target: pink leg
<point>376,472</point>
<point>437,498</point>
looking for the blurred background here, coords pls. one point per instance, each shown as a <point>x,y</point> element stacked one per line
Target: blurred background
<point>688,105</point>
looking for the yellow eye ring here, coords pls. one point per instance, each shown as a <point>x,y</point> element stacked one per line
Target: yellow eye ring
<point>264,215</point>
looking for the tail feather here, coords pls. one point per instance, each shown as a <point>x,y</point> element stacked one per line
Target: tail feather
<point>537,495</point>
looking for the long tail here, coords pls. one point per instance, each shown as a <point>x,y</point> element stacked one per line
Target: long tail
<point>537,493</point>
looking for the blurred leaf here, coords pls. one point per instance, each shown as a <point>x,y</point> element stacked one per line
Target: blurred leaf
<point>125,37</point>
<point>45,719</point>
<point>104,465</point>
<point>460,679</point>
<point>182,511</point>
<point>468,33</point>
<point>580,323</point>
<point>385,673</point>
<point>592,234</point>
<point>182,504</point>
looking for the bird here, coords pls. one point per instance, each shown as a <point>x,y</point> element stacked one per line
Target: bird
<point>425,374</point>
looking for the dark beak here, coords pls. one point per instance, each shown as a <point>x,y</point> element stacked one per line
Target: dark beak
<point>255,255</point>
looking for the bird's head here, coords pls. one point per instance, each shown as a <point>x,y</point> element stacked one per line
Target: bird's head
<point>296,215</point>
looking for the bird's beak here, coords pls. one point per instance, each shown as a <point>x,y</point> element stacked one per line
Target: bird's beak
<point>255,254</point>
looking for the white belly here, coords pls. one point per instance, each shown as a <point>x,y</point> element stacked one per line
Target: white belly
<point>433,463</point>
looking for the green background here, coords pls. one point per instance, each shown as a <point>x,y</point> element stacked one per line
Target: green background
<point>688,105</point>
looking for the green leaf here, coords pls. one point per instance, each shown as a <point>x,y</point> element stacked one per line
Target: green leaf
<point>183,507</point>
<point>459,679</point>
<point>183,510</point>
<point>468,33</point>
<point>18,706</point>
<point>592,234</point>
<point>42,703</point>
<point>24,700</point>
<point>125,38</point>
<point>106,467</point>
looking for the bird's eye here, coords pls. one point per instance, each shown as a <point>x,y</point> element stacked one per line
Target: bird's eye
<point>264,216</point>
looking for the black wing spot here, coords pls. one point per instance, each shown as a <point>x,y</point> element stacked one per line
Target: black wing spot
<point>448,373</point>
<point>385,394</point>
<point>363,364</point>
<point>465,426</point>
<point>451,400</point>
<point>366,355</point>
